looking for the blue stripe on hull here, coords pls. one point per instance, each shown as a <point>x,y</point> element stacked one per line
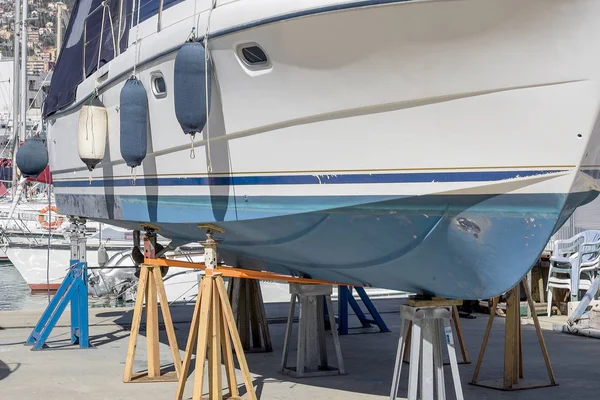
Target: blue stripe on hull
<point>313,179</point>
<point>454,246</point>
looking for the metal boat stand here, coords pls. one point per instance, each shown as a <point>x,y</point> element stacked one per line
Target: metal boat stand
<point>151,288</point>
<point>429,319</point>
<point>311,356</point>
<point>513,346</point>
<point>460,338</point>
<point>72,290</point>
<point>346,298</point>
<point>213,327</point>
<point>246,300</point>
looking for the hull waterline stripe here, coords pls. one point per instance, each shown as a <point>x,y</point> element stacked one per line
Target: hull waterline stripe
<point>423,177</point>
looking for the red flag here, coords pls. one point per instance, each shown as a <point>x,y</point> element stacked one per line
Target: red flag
<point>44,177</point>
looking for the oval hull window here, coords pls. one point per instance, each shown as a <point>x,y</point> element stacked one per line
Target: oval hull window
<point>253,56</point>
<point>159,86</point>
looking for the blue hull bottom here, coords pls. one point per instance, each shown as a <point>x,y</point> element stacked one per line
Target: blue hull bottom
<point>458,246</point>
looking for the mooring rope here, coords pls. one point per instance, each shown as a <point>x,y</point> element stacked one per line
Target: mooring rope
<point>137,38</point>
<point>207,82</point>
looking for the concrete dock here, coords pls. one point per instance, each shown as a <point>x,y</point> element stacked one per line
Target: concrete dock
<point>67,372</point>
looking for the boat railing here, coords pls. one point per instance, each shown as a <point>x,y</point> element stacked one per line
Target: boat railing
<point>115,35</point>
<point>18,225</point>
<point>104,6</point>
<point>160,11</point>
<point>25,233</point>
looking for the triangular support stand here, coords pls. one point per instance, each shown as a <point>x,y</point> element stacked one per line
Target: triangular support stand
<point>346,298</point>
<point>458,332</point>
<point>73,290</point>
<point>246,300</point>
<point>429,321</point>
<point>513,346</point>
<point>311,351</point>
<point>151,284</point>
<point>151,287</point>
<point>213,327</point>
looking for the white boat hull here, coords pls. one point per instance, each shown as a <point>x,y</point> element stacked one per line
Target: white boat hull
<point>427,146</point>
<point>32,264</point>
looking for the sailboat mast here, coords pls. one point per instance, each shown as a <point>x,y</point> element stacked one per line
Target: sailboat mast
<point>16,92</point>
<point>59,9</point>
<point>24,51</point>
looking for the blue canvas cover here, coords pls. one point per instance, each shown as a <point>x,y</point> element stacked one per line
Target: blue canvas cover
<point>70,71</point>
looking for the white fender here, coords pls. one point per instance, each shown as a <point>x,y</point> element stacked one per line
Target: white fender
<point>93,131</point>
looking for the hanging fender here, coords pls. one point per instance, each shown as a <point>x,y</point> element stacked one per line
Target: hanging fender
<point>192,72</point>
<point>32,157</point>
<point>133,122</point>
<point>92,134</point>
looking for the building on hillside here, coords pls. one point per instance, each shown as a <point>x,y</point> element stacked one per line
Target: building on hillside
<point>33,36</point>
<point>6,85</point>
<point>36,65</point>
<point>35,88</point>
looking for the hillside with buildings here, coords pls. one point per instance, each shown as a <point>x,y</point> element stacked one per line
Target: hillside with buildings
<point>41,32</point>
<point>41,44</point>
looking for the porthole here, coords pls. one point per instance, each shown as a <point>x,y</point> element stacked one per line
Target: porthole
<point>253,56</point>
<point>159,86</point>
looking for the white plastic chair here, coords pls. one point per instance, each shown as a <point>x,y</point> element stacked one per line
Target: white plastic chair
<point>578,259</point>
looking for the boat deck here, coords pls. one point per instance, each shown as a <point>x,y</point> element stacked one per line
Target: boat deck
<point>369,358</point>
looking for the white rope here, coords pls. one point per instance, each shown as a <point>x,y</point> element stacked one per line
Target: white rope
<point>194,21</point>
<point>192,151</point>
<point>137,38</point>
<point>49,187</point>
<point>206,83</point>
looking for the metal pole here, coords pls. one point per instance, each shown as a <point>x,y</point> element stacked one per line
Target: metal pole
<point>160,10</point>
<point>15,116</point>
<point>118,39</point>
<point>24,104</point>
<point>59,22</point>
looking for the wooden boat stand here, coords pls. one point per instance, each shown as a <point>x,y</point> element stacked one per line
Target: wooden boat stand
<point>513,346</point>
<point>246,300</point>
<point>460,337</point>
<point>213,326</point>
<point>429,320</point>
<point>150,285</point>
<point>213,323</point>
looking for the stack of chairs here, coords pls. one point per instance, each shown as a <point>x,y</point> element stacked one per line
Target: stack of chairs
<point>574,264</point>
